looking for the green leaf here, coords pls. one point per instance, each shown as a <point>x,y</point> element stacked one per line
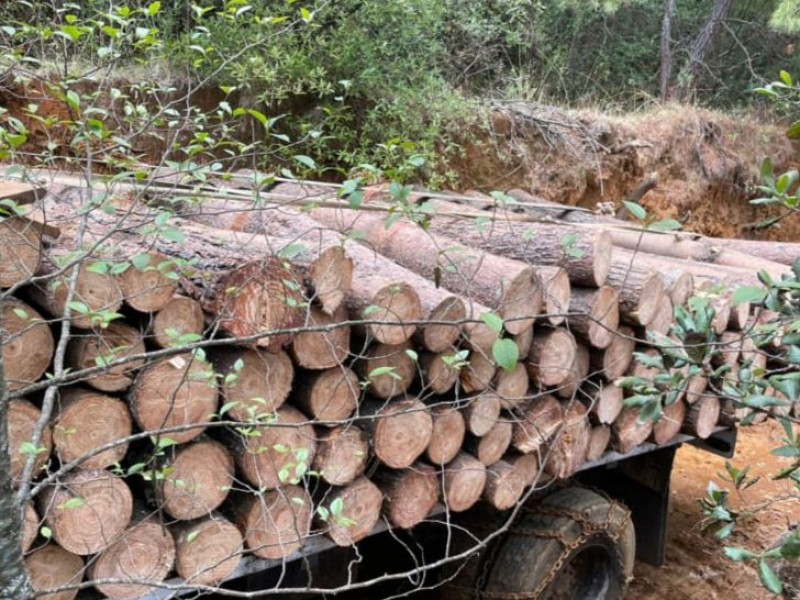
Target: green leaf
<point>739,554</point>
<point>665,225</point>
<point>493,322</point>
<point>337,506</point>
<point>72,503</point>
<point>786,78</point>
<point>768,577</point>
<point>141,261</point>
<point>192,536</point>
<point>748,293</point>
<point>791,547</point>
<point>505,353</point>
<point>291,251</point>
<point>46,532</point>
<point>637,211</point>
<point>793,132</point>
<point>153,8</point>
<point>306,161</point>
<point>766,171</point>
<point>73,100</point>
<point>21,314</point>
<point>378,371</point>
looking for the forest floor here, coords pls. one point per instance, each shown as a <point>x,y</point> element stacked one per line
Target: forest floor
<point>695,566</point>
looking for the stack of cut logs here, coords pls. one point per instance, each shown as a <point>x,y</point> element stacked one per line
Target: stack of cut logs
<point>348,370</point>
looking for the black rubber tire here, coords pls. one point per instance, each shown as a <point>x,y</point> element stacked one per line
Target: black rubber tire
<point>575,544</point>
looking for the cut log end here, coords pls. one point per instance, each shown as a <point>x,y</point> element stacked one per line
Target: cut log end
<point>628,431</point>
<point>438,374</point>
<point>21,244</point>
<point>118,341</point>
<point>504,485</point>
<point>670,423</point>
<point>464,481</point>
<point>604,317</point>
<point>52,567</point>
<point>207,551</point>
<point>603,245</point>
<point>393,310</point>
<point>439,338</point>
<point>598,443</point>
<point>401,432</point>
<point>28,344</point>
<point>255,382</point>
<point>149,283</point>
<point>322,349</point>
<point>608,404</point>
<point>276,524</point>
<point>491,447</point>
<point>329,396</point>
<point>557,294</point>
<point>616,358</point>
<point>341,455</point>
<point>551,357</point>
<point>449,429</point>
<point>22,419</point>
<point>389,370</point>
<point>331,276</point>
<point>409,495</point>
<point>538,420</point>
<point>361,507</point>
<point>523,301</point>
<point>702,417</point>
<point>181,316</point>
<point>482,412</point>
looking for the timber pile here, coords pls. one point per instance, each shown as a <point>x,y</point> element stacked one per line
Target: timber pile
<point>361,366</point>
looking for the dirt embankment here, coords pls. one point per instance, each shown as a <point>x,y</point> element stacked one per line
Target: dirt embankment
<point>707,163</point>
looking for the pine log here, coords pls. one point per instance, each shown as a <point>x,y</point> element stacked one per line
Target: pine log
<point>51,567</point>
<point>361,508</point>
<point>628,431</point>
<point>388,370</point>
<point>28,344</point>
<point>464,479</point>
<point>390,311</point>
<point>180,317</point>
<point>481,412</point>
<point>22,419</point>
<point>585,254</point>
<point>551,358</point>
<point>479,371</point>
<point>568,449</point>
<point>670,423</point>
<point>400,430</point>
<point>640,288</point>
<point>511,287</point>
<point>598,442</point>
<point>695,388</point>
<point>557,293</point>
<point>86,421</point>
<point>607,403</point>
<point>409,495</point>
<point>258,298</point>
<point>785,253</point>
<point>30,527</point>
<point>341,455</point>
<point>87,511</point>
<point>702,417</point>
<point>95,291</point>
<point>255,382</point>
<point>322,349</point>
<point>539,419</point>
<point>504,485</point>
<point>526,466</point>
<point>277,453</point>
<point>276,523</point>
<point>207,551</point>
<point>328,396</point>
<point>524,339</point>
<point>578,373</point>
<point>101,348</point>
<point>438,375</point>
<point>21,251</point>
<point>144,552</point>
<point>449,429</point>
<point>491,447</point>
<point>177,391</point>
<point>149,283</point>
<point>613,362</point>
<point>594,314</point>
<point>438,338</point>
<point>199,476</point>
<point>512,386</point>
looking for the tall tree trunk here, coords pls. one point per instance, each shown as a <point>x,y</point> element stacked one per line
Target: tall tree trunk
<point>666,49</point>
<point>702,45</point>
<point>14,579</point>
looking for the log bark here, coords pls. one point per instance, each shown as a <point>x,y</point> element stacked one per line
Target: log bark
<point>628,431</point>
<point>400,430</point>
<point>481,412</point>
<point>568,449</point>
<point>87,511</point>
<point>342,454</point>
<point>149,283</point>
<point>409,495</point>
<point>207,551</point>
<point>91,349</point>
<point>180,317</point>
<point>613,362</point>
<point>275,524</point>
<point>598,442</point>
<point>388,370</point>
<point>21,251</point>
<point>52,567</point>
<point>594,314</point>
<point>537,422</point>
<point>702,417</point>
<point>670,423</point>
<point>438,376</point>
<point>144,552</point>
<point>361,508</point>
<point>463,482</point>
<point>177,391</point>
<point>322,349</point>
<point>280,454</point>
<point>784,253</point>
<point>255,382</point>
<point>86,421</point>
<point>551,358</point>
<point>28,344</point>
<point>449,429</point>
<point>199,477</point>
<point>22,419</point>
<point>640,288</point>
<point>491,447</point>
<point>328,396</point>
<point>511,287</point>
<point>504,485</point>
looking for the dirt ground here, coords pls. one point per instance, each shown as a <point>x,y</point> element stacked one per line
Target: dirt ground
<point>696,567</point>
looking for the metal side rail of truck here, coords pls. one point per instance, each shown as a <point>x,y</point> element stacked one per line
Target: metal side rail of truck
<point>575,539</point>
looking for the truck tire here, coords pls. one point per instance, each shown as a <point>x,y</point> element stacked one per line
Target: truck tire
<point>575,544</point>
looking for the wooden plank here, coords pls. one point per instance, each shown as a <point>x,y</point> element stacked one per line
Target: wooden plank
<point>21,193</point>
